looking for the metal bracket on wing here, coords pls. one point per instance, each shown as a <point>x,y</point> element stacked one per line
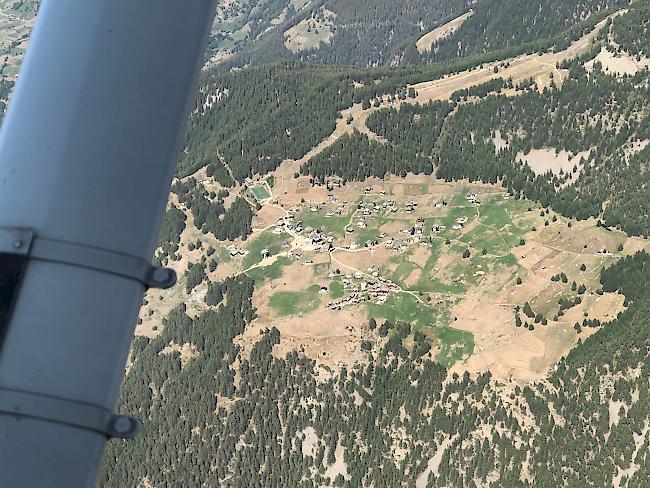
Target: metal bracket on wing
<point>21,404</point>
<point>17,248</point>
<point>24,242</point>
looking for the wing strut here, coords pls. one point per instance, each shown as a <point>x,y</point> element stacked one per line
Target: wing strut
<point>87,152</point>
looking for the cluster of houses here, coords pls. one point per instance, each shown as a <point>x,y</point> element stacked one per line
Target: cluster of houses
<point>411,206</point>
<point>316,208</point>
<point>473,199</point>
<point>368,190</point>
<point>287,225</point>
<point>369,208</point>
<point>319,241</point>
<point>364,288</point>
<point>399,245</point>
<point>460,223</point>
<point>314,239</point>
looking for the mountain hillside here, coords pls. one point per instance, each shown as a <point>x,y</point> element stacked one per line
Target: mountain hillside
<point>412,242</point>
<point>427,276</point>
<point>499,24</point>
<point>382,32</point>
<point>368,33</point>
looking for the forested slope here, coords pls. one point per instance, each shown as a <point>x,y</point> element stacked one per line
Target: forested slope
<point>258,118</point>
<point>382,32</point>
<point>365,33</point>
<point>632,32</point>
<point>582,117</point>
<point>226,420</point>
<point>499,24</point>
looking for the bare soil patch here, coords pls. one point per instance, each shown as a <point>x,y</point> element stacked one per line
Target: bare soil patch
<point>361,260</point>
<point>392,227</point>
<point>310,33</point>
<point>267,216</point>
<point>425,42</point>
<point>330,337</point>
<point>187,351</point>
<point>619,63</point>
<point>548,159</point>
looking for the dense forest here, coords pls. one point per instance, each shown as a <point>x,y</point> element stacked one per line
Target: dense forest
<point>210,213</point>
<point>632,32</point>
<point>356,158</point>
<point>253,119</point>
<point>414,127</point>
<point>169,236</point>
<point>368,33</point>
<point>381,32</point>
<point>499,24</point>
<point>257,118</point>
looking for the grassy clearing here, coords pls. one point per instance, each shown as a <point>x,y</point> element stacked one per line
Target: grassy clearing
<point>303,37</point>
<point>336,289</point>
<point>269,273</point>
<point>499,216</point>
<point>367,235</point>
<point>266,240</point>
<point>454,345</point>
<point>433,257</point>
<point>334,224</point>
<point>221,254</point>
<point>438,286</point>
<point>406,308</point>
<point>508,261</point>
<point>321,269</point>
<point>403,269</point>
<point>295,302</point>
<point>486,238</point>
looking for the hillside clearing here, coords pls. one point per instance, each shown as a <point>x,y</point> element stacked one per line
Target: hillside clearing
<point>425,42</point>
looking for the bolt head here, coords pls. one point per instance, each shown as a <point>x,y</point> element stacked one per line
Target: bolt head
<point>123,425</point>
<point>164,276</point>
<point>18,244</point>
